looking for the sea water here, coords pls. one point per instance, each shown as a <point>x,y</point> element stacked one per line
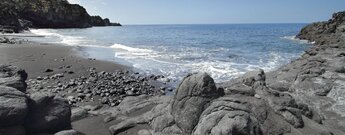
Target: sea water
<point>224,51</point>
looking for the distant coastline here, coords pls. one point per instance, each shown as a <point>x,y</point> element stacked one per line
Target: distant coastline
<point>19,15</point>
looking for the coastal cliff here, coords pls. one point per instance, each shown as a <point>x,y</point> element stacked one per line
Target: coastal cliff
<point>327,32</point>
<point>18,15</point>
<point>305,96</point>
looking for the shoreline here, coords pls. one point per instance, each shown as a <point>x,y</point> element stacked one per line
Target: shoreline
<point>52,67</point>
<point>62,55</point>
<point>300,97</point>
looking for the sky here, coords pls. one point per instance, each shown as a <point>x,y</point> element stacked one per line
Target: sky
<point>212,11</point>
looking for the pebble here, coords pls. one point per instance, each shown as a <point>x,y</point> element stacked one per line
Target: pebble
<point>89,95</point>
<point>70,72</point>
<point>257,96</point>
<point>81,95</point>
<point>112,87</point>
<point>170,89</point>
<point>105,100</point>
<point>39,78</point>
<point>48,70</point>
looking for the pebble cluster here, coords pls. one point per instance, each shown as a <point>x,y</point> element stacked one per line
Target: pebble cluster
<point>8,40</point>
<point>108,88</point>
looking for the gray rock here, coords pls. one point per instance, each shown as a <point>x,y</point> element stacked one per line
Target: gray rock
<point>48,114</point>
<point>13,106</point>
<point>280,86</point>
<point>48,70</point>
<point>192,96</point>
<point>144,132</point>
<point>78,113</point>
<point>69,132</point>
<point>251,77</point>
<point>340,69</point>
<point>108,119</point>
<point>12,76</point>
<point>116,129</point>
<point>235,115</point>
<point>15,130</point>
<point>105,100</point>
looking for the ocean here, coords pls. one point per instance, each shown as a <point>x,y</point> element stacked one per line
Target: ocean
<point>224,51</point>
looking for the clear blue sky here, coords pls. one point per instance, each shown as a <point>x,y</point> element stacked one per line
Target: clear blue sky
<point>212,11</point>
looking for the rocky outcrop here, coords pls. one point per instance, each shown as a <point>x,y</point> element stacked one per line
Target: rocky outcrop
<point>328,32</point>
<point>20,114</point>
<point>98,21</point>
<point>316,79</point>
<point>12,76</point>
<point>18,15</point>
<point>15,130</point>
<point>191,97</point>
<point>13,107</point>
<point>47,114</point>
<point>243,106</point>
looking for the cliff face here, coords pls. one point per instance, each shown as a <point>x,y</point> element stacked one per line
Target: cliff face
<point>328,32</point>
<point>54,14</point>
<point>20,14</point>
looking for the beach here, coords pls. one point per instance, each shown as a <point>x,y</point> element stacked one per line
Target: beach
<point>64,71</point>
<point>44,60</point>
<point>36,58</point>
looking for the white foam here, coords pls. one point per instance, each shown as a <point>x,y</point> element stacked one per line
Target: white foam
<point>177,64</point>
<point>220,71</point>
<point>70,40</point>
<point>127,52</point>
<point>50,33</point>
<point>273,61</point>
<point>130,49</point>
<point>295,39</point>
<point>44,32</point>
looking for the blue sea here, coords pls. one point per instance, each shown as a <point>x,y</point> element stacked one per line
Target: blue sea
<point>225,51</point>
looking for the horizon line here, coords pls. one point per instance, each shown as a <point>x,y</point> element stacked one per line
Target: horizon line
<point>212,23</point>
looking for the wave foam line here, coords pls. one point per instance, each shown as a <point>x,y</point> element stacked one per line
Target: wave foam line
<point>130,49</point>
<point>69,40</point>
<point>301,41</point>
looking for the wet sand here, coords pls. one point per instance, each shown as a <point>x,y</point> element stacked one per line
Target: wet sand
<point>36,58</point>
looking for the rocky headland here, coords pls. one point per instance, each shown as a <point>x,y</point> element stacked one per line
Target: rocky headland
<point>19,15</point>
<point>305,96</point>
<point>302,97</point>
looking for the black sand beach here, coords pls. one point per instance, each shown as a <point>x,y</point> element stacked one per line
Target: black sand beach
<point>52,89</point>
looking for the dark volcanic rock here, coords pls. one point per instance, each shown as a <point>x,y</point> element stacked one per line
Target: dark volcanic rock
<point>13,107</point>
<point>317,78</point>
<point>48,114</point>
<point>98,21</point>
<point>12,76</point>
<point>18,15</point>
<point>235,114</point>
<point>199,108</point>
<point>69,132</point>
<point>328,32</point>
<point>55,14</point>
<point>15,130</point>
<point>192,95</point>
